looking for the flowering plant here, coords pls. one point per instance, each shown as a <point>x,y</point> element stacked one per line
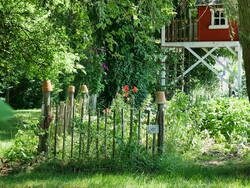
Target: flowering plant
<point>127,94</point>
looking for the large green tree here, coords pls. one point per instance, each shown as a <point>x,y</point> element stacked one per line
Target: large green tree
<point>37,41</point>
<point>244,23</point>
<point>127,36</point>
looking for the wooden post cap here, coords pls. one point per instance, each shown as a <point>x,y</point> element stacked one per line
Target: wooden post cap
<point>46,86</point>
<point>84,89</point>
<point>71,89</point>
<point>160,97</point>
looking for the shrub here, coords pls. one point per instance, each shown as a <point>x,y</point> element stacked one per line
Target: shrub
<point>197,126</point>
<point>225,116</point>
<point>24,148</point>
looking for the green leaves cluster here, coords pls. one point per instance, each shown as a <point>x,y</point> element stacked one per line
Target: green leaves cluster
<point>129,33</point>
<point>33,43</point>
<point>217,116</point>
<point>68,42</point>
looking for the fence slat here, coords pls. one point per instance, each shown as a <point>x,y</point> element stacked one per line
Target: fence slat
<point>97,134</point>
<point>139,127</point>
<point>64,131</point>
<point>114,131</point>
<point>56,127</point>
<point>131,126</point>
<point>72,131</point>
<point>105,134</point>
<point>122,125</point>
<point>88,133</point>
<point>148,122</point>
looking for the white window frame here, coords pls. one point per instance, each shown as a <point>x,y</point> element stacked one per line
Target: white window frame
<point>213,26</point>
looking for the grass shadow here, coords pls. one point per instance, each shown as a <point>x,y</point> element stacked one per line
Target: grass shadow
<point>55,173</point>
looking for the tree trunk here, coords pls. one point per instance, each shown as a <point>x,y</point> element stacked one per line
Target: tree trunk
<point>244,15</point>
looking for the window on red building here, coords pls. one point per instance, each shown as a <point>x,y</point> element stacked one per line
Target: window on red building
<point>218,19</point>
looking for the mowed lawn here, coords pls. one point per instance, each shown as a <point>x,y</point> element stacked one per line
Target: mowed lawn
<point>178,173</point>
<point>225,176</point>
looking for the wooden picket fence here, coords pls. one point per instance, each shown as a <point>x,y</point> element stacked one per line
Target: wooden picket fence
<point>80,131</point>
<point>99,134</point>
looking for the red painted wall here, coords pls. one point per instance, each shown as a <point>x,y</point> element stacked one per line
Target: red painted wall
<point>206,34</point>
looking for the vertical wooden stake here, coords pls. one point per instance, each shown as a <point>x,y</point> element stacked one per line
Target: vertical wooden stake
<point>88,133</point>
<point>114,131</point>
<point>56,127</point>
<point>160,100</point>
<point>105,135</point>
<point>72,132</point>
<point>71,91</point>
<point>97,134</point>
<point>131,126</point>
<point>161,128</point>
<point>122,125</point>
<point>64,131</point>
<point>148,123</point>
<point>139,127</point>
<point>47,117</point>
<point>81,142</point>
<point>153,144</point>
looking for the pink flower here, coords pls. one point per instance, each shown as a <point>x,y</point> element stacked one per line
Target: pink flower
<point>105,67</point>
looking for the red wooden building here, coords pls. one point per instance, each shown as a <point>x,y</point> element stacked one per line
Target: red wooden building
<point>213,24</point>
<point>206,27</point>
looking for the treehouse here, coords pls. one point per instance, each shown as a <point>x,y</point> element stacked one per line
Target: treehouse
<point>207,22</point>
<point>206,27</point>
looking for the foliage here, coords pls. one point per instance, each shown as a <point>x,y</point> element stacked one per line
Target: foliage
<point>33,45</point>
<point>24,149</point>
<point>196,125</point>
<point>127,33</point>
<point>182,132</point>
<point>225,116</point>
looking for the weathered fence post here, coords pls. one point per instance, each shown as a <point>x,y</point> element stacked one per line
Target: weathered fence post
<point>71,91</point>
<point>84,91</point>
<point>148,123</point>
<point>230,90</point>
<point>56,129</point>
<point>139,127</point>
<point>160,100</point>
<point>47,116</point>
<point>64,131</point>
<point>131,125</point>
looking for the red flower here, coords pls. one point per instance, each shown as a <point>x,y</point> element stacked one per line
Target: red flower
<point>126,88</point>
<point>125,95</point>
<point>134,89</point>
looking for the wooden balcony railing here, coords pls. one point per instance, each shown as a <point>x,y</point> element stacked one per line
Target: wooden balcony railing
<point>182,30</point>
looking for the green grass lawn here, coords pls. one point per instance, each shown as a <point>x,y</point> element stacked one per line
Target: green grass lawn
<point>230,175</point>
<point>178,172</point>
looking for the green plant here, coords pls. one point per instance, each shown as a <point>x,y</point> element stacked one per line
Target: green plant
<point>224,116</point>
<point>24,148</point>
<point>195,125</point>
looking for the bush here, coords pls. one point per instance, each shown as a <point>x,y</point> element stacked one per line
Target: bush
<point>197,126</point>
<point>224,116</point>
<point>24,148</point>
